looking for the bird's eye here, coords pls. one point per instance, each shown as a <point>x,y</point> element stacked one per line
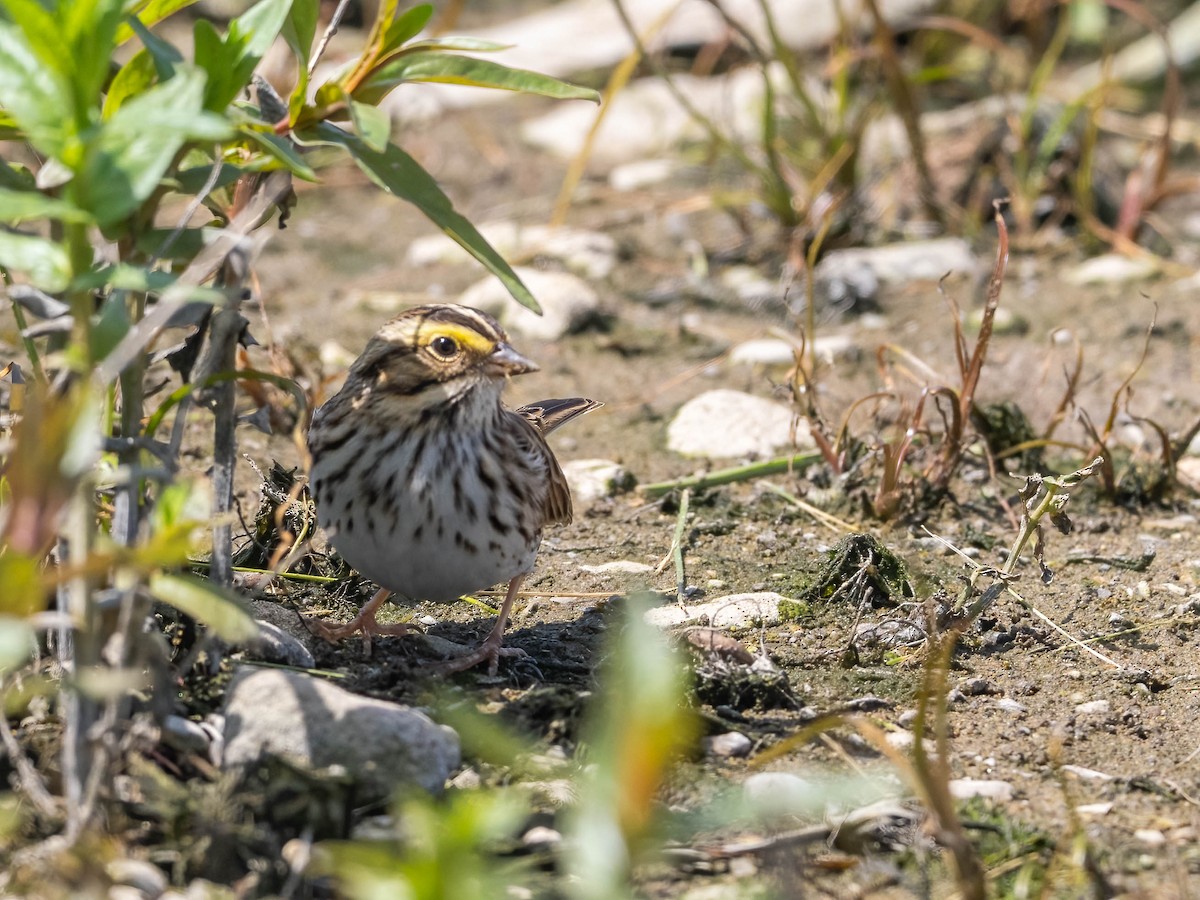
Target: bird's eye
<point>443,346</point>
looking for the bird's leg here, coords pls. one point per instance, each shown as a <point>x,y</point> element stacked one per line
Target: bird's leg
<point>492,647</point>
<point>365,622</point>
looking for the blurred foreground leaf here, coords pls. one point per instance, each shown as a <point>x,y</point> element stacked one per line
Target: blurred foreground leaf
<point>221,610</point>
<point>638,731</point>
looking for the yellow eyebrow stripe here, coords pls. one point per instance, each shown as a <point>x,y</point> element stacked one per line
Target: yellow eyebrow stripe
<point>466,337</point>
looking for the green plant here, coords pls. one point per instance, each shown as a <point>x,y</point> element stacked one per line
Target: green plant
<point>101,146</point>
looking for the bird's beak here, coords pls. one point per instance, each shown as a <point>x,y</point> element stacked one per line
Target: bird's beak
<point>505,361</point>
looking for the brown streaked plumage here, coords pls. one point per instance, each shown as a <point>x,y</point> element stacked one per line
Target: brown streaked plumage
<point>422,478</point>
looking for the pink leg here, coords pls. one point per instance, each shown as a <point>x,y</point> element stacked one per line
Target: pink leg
<point>365,622</point>
<point>492,647</point>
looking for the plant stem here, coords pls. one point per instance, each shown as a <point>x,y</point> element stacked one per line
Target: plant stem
<point>735,474</point>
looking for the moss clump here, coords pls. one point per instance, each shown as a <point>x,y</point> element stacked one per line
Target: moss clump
<point>860,569</point>
<point>793,610</point>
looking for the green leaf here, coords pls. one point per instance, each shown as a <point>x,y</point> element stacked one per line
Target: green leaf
<point>404,27</point>
<point>17,643</point>
<point>468,44</point>
<point>281,150</point>
<point>24,592</point>
<point>45,262</point>
<point>448,68</point>
<point>257,28</point>
<point>110,326</point>
<point>221,610</point>
<point>133,78</point>
<point>89,28</point>
<point>166,55</point>
<point>299,31</point>
<point>125,277</point>
<point>373,125</point>
<point>398,173</point>
<point>24,206</point>
<point>36,95</point>
<point>230,61</point>
<point>44,34</point>
<point>136,147</point>
<point>149,12</point>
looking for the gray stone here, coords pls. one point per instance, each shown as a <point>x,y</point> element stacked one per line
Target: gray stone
<point>138,875</point>
<point>1094,708</point>
<point>1111,268</point>
<point>725,424</point>
<point>568,303</point>
<point>591,254</point>
<point>595,479</point>
<point>898,263</point>
<point>783,794</point>
<point>731,611</point>
<point>314,724</point>
<point>273,644</point>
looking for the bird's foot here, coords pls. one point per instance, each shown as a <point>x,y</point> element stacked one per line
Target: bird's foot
<point>489,651</point>
<point>365,622</point>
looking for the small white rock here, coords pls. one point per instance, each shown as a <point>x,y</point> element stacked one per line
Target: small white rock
<point>1111,268</point>
<point>965,788</point>
<point>591,254</point>
<point>1094,809</point>
<point>618,567</point>
<point>641,173</point>
<point>782,794</point>
<point>1087,774</point>
<point>1094,708</point>
<point>1010,706</point>
<point>567,302</point>
<point>1151,837</point>
<point>902,262</point>
<point>541,836</point>
<point>731,611</point>
<point>725,424</point>
<point>728,745</point>
<point>594,479</point>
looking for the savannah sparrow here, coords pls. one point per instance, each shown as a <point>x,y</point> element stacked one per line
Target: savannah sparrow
<point>424,481</point>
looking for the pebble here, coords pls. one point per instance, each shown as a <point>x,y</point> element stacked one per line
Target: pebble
<point>1094,708</point>
<point>540,836</point>
<point>977,687</point>
<point>466,780</point>
<point>274,644</point>
<point>890,633</point>
<point>591,254</point>
<point>907,718</point>
<point>725,424</point>
<point>1111,268</point>
<point>195,737</point>
<point>1152,837</point>
<point>594,479</point>
<point>778,352</point>
<point>1087,774</point>
<point>729,745</point>
<point>730,611</point>
<point>138,875</point>
<point>641,173</point>
<point>965,788</point>
<point>1011,706</point>
<point>1094,809</point>
<point>315,724</point>
<point>781,794</point>
<point>568,303</point>
<point>898,263</point>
